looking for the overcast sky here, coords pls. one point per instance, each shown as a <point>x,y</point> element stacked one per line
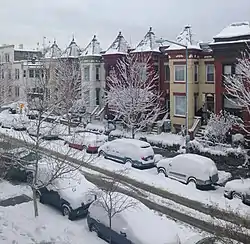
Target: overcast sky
<point>27,21</point>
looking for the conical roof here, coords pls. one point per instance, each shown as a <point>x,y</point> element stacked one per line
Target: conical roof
<point>93,48</point>
<point>72,51</point>
<point>148,44</point>
<point>119,46</point>
<point>53,51</point>
<point>185,38</point>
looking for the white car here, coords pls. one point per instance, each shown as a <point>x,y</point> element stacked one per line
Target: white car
<point>86,140</point>
<point>20,123</point>
<point>70,192</point>
<point>197,239</point>
<point>7,122</point>
<point>238,189</point>
<point>138,224</point>
<point>189,169</point>
<point>138,153</point>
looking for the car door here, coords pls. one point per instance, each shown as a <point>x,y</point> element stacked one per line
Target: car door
<point>115,151</point>
<point>175,172</point>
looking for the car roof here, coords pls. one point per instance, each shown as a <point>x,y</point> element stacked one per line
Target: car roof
<point>195,158</point>
<point>134,142</point>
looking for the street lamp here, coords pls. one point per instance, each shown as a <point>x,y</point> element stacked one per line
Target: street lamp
<point>186,80</point>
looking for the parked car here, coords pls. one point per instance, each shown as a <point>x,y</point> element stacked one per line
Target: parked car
<point>238,189</point>
<point>90,141</point>
<point>138,153</point>
<point>20,123</point>
<point>189,169</point>
<point>71,193</point>
<point>33,114</point>
<point>138,225</point>
<point>197,239</point>
<point>46,131</point>
<point>7,122</point>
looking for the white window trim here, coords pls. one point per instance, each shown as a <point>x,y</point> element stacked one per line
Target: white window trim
<point>207,81</point>
<point>180,65</point>
<point>175,114</point>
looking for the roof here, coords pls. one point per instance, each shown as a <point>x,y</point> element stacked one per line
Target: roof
<point>196,158</point>
<point>135,142</point>
<point>229,42</point>
<point>53,52</point>
<point>93,48</point>
<point>72,51</point>
<point>119,46</point>
<point>148,44</point>
<point>236,29</point>
<point>185,38</point>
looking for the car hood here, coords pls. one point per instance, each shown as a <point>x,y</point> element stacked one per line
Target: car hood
<point>238,185</point>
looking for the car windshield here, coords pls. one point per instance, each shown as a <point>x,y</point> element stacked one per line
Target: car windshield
<point>31,157</point>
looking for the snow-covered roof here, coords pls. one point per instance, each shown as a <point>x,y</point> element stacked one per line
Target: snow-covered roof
<point>148,44</point>
<point>93,48</point>
<point>54,51</point>
<point>185,38</point>
<point>72,51</point>
<point>119,46</point>
<point>237,29</point>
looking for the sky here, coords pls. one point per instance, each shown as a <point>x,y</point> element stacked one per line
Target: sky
<point>28,21</point>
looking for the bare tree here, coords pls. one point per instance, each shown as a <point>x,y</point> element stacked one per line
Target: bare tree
<point>110,200</point>
<point>68,90</point>
<point>133,94</point>
<point>238,85</point>
<point>219,124</point>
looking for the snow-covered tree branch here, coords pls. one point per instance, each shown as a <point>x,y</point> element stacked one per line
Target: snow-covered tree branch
<point>133,92</point>
<point>68,90</point>
<point>219,125</point>
<point>238,84</point>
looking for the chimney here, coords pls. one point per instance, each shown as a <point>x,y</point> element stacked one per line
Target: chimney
<point>20,46</point>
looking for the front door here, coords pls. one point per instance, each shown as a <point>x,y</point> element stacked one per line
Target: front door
<point>210,102</point>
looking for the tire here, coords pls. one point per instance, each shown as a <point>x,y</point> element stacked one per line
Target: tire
<point>66,210</point>
<point>238,196</point>
<point>93,228</point>
<point>192,182</point>
<point>162,171</point>
<point>128,163</point>
<point>102,154</point>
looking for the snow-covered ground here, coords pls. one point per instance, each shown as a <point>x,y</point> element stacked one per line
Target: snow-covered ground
<point>18,224</point>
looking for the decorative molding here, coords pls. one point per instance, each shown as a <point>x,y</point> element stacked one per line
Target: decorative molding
<point>190,56</point>
<point>208,56</point>
<point>179,56</point>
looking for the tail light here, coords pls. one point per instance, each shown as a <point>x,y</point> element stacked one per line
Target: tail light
<point>142,158</point>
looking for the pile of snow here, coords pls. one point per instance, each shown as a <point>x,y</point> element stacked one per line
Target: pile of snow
<point>224,177</point>
<point>166,139</point>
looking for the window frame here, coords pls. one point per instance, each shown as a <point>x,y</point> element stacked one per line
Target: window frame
<point>17,74</point>
<point>97,72</point>
<point>207,73</point>
<point>88,73</point>
<point>196,73</point>
<point>175,112</point>
<point>184,73</point>
<point>31,71</point>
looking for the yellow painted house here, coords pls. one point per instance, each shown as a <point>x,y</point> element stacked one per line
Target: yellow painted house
<point>201,83</point>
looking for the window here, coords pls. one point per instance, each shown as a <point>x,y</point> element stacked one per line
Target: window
<point>179,73</point>
<point>167,73</point>
<point>86,73</point>
<point>17,74</point>
<point>2,74</point>
<point>31,73</point>
<point>210,72</point>
<point>97,73</point>
<point>180,105</point>
<point>227,69</point>
<point>196,73</point>
<point>24,73</point>
<point>7,57</point>
<point>37,73</point>
<point>16,91</point>
<point>97,92</point>
<point>143,71</point>
<point>9,74</point>
<point>156,69</point>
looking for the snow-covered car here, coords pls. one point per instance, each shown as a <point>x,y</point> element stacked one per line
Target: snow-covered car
<point>47,131</point>
<point>71,192</point>
<point>239,188</point>
<point>20,123</point>
<point>7,122</point>
<point>138,153</point>
<point>86,140</point>
<point>33,114</point>
<point>138,225</point>
<point>197,239</point>
<point>189,169</point>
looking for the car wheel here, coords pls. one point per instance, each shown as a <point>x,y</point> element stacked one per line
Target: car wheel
<point>238,196</point>
<point>162,171</point>
<point>65,210</point>
<point>128,163</point>
<point>29,178</point>
<point>93,228</point>
<point>192,183</point>
<point>102,154</point>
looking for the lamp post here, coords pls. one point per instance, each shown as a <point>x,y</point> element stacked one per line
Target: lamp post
<point>186,78</point>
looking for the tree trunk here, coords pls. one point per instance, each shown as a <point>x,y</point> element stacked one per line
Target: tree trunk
<point>35,202</point>
<point>133,132</point>
<point>110,230</point>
